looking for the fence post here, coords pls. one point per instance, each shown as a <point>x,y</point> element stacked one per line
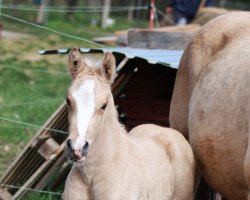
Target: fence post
<point>151,15</point>
<point>105,13</point>
<point>1,27</point>
<point>42,15</point>
<point>1,2</point>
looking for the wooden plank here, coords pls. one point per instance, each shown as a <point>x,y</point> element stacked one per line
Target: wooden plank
<point>31,180</point>
<point>62,176</point>
<point>189,28</point>
<point>122,64</point>
<point>146,109</point>
<point>5,195</point>
<point>118,81</point>
<point>48,148</point>
<point>9,176</point>
<point>147,117</point>
<point>150,95</point>
<point>122,85</point>
<point>38,172</point>
<point>47,176</point>
<point>158,40</point>
<point>29,167</point>
<point>162,103</point>
<point>110,40</point>
<point>19,157</point>
<point>18,172</point>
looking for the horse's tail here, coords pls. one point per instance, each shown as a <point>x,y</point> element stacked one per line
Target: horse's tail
<point>204,192</point>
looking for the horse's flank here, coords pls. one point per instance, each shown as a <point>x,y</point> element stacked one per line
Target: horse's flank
<point>210,103</point>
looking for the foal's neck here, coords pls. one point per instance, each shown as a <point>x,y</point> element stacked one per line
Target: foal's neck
<point>111,135</point>
<point>109,146</point>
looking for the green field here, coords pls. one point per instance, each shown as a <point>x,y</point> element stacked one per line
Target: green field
<point>33,86</point>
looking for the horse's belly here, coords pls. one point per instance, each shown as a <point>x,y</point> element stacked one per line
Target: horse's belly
<point>218,134</point>
<point>222,166</point>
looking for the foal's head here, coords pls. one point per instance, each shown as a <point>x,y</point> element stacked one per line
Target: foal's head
<point>87,99</point>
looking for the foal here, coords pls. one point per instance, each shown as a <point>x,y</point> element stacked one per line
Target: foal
<point>150,162</point>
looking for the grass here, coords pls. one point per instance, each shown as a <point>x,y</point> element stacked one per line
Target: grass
<point>33,196</point>
<point>26,76</point>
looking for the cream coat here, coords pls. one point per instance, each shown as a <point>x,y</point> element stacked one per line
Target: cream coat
<point>211,103</point>
<point>150,162</point>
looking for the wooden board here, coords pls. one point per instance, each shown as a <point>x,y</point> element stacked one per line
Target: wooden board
<point>172,37</point>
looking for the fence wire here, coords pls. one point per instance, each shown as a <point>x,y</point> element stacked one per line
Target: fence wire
<point>51,30</point>
<point>73,10</point>
<point>32,125</point>
<point>30,189</point>
<point>30,103</point>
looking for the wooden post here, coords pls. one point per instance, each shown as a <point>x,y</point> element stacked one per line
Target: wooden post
<point>152,17</point>
<point>131,10</point>
<point>42,15</point>
<point>1,28</point>
<point>105,13</point>
<point>138,12</point>
<point>1,2</point>
<point>222,3</point>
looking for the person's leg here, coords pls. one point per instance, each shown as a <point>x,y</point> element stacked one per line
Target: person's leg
<point>179,18</point>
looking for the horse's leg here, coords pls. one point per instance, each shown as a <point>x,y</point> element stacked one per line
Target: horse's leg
<point>197,180</point>
<point>247,163</point>
<point>74,187</point>
<point>247,170</point>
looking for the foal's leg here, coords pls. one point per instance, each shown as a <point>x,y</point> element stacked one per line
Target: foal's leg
<point>75,189</point>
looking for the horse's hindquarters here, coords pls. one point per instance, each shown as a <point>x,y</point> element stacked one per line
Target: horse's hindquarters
<point>217,129</point>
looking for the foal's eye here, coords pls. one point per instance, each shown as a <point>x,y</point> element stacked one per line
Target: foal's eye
<point>104,106</point>
<point>68,101</point>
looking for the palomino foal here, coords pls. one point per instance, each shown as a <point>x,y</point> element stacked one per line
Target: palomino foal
<point>151,162</point>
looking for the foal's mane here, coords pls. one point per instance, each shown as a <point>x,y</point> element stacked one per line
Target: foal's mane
<point>93,61</point>
<point>94,64</point>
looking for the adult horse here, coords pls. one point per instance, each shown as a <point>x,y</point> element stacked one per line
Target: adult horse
<point>149,163</point>
<point>211,103</point>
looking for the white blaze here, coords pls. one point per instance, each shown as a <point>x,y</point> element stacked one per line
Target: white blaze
<point>85,104</point>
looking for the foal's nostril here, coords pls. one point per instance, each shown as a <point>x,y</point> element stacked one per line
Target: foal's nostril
<point>85,149</point>
<point>69,145</point>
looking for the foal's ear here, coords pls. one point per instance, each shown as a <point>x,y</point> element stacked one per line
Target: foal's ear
<point>75,63</point>
<point>108,66</point>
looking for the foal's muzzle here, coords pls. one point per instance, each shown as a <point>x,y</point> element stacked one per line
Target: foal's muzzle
<point>76,154</point>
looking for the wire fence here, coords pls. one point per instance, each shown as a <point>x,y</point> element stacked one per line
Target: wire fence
<point>31,125</point>
<point>30,103</point>
<point>72,10</point>
<point>31,189</point>
<point>52,30</point>
<point>66,34</point>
